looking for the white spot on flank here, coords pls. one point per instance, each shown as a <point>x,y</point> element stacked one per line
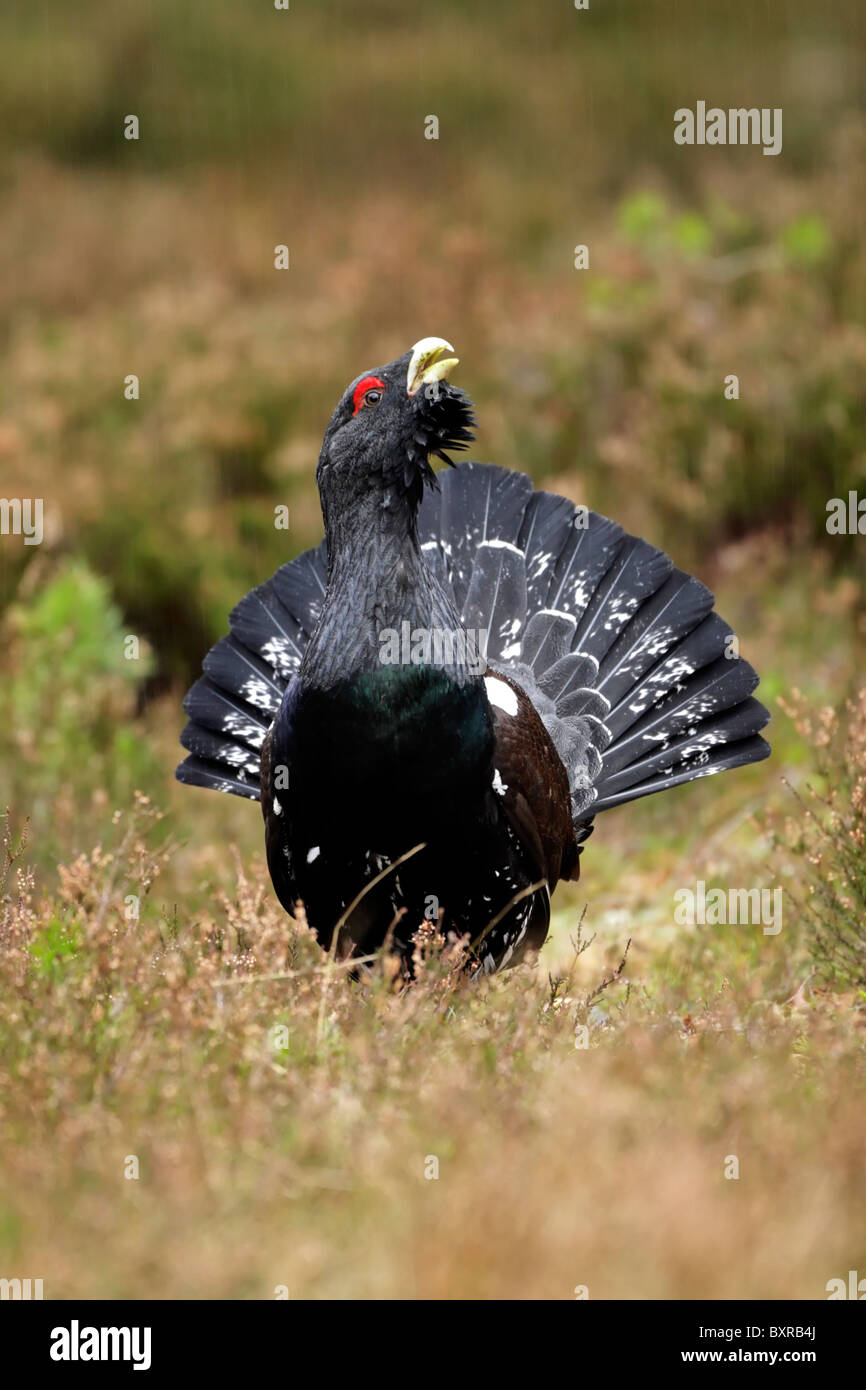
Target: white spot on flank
<point>313,854</point>
<point>501,695</point>
<point>498,785</point>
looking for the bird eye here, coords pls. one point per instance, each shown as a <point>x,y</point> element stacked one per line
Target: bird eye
<point>369,391</point>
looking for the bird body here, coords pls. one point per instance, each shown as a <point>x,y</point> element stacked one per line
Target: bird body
<point>434,704</point>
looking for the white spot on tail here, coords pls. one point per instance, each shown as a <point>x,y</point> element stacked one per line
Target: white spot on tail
<point>497,544</point>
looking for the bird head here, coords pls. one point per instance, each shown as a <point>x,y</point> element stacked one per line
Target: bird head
<point>390,422</point>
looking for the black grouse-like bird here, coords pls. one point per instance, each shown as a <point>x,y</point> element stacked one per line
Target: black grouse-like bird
<point>434,704</point>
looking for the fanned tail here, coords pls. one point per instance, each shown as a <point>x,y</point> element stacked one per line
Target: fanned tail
<point>635,677</point>
<point>637,680</point>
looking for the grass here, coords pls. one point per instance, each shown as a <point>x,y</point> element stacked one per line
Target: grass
<point>155,1004</point>
<point>284,1123</point>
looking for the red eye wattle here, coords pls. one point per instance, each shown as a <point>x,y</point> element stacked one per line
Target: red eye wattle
<point>367,383</point>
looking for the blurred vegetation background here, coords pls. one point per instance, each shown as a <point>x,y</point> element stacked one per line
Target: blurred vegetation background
<point>155,257</point>
<point>259,127</point>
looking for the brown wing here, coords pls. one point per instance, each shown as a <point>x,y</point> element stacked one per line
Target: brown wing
<point>536,797</point>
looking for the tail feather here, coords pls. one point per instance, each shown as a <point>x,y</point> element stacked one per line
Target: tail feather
<point>231,707</point>
<point>475,502</point>
<point>673,611</point>
<point>583,701</point>
<point>198,772</point>
<point>547,639</point>
<point>211,747</point>
<point>740,754</point>
<point>225,713</point>
<point>711,690</point>
<point>728,727</point>
<point>231,666</point>
<point>261,623</point>
<point>496,599</point>
<point>698,650</point>
<point>637,572</point>
<point>434,557</point>
<point>300,587</point>
<point>568,553</point>
<point>576,671</point>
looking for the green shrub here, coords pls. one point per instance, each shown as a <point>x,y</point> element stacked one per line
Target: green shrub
<point>68,703</point>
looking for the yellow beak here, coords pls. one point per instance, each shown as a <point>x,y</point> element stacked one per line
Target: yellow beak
<point>428,364</point>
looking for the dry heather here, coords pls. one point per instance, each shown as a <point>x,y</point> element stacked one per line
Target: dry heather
<point>202,1105</point>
